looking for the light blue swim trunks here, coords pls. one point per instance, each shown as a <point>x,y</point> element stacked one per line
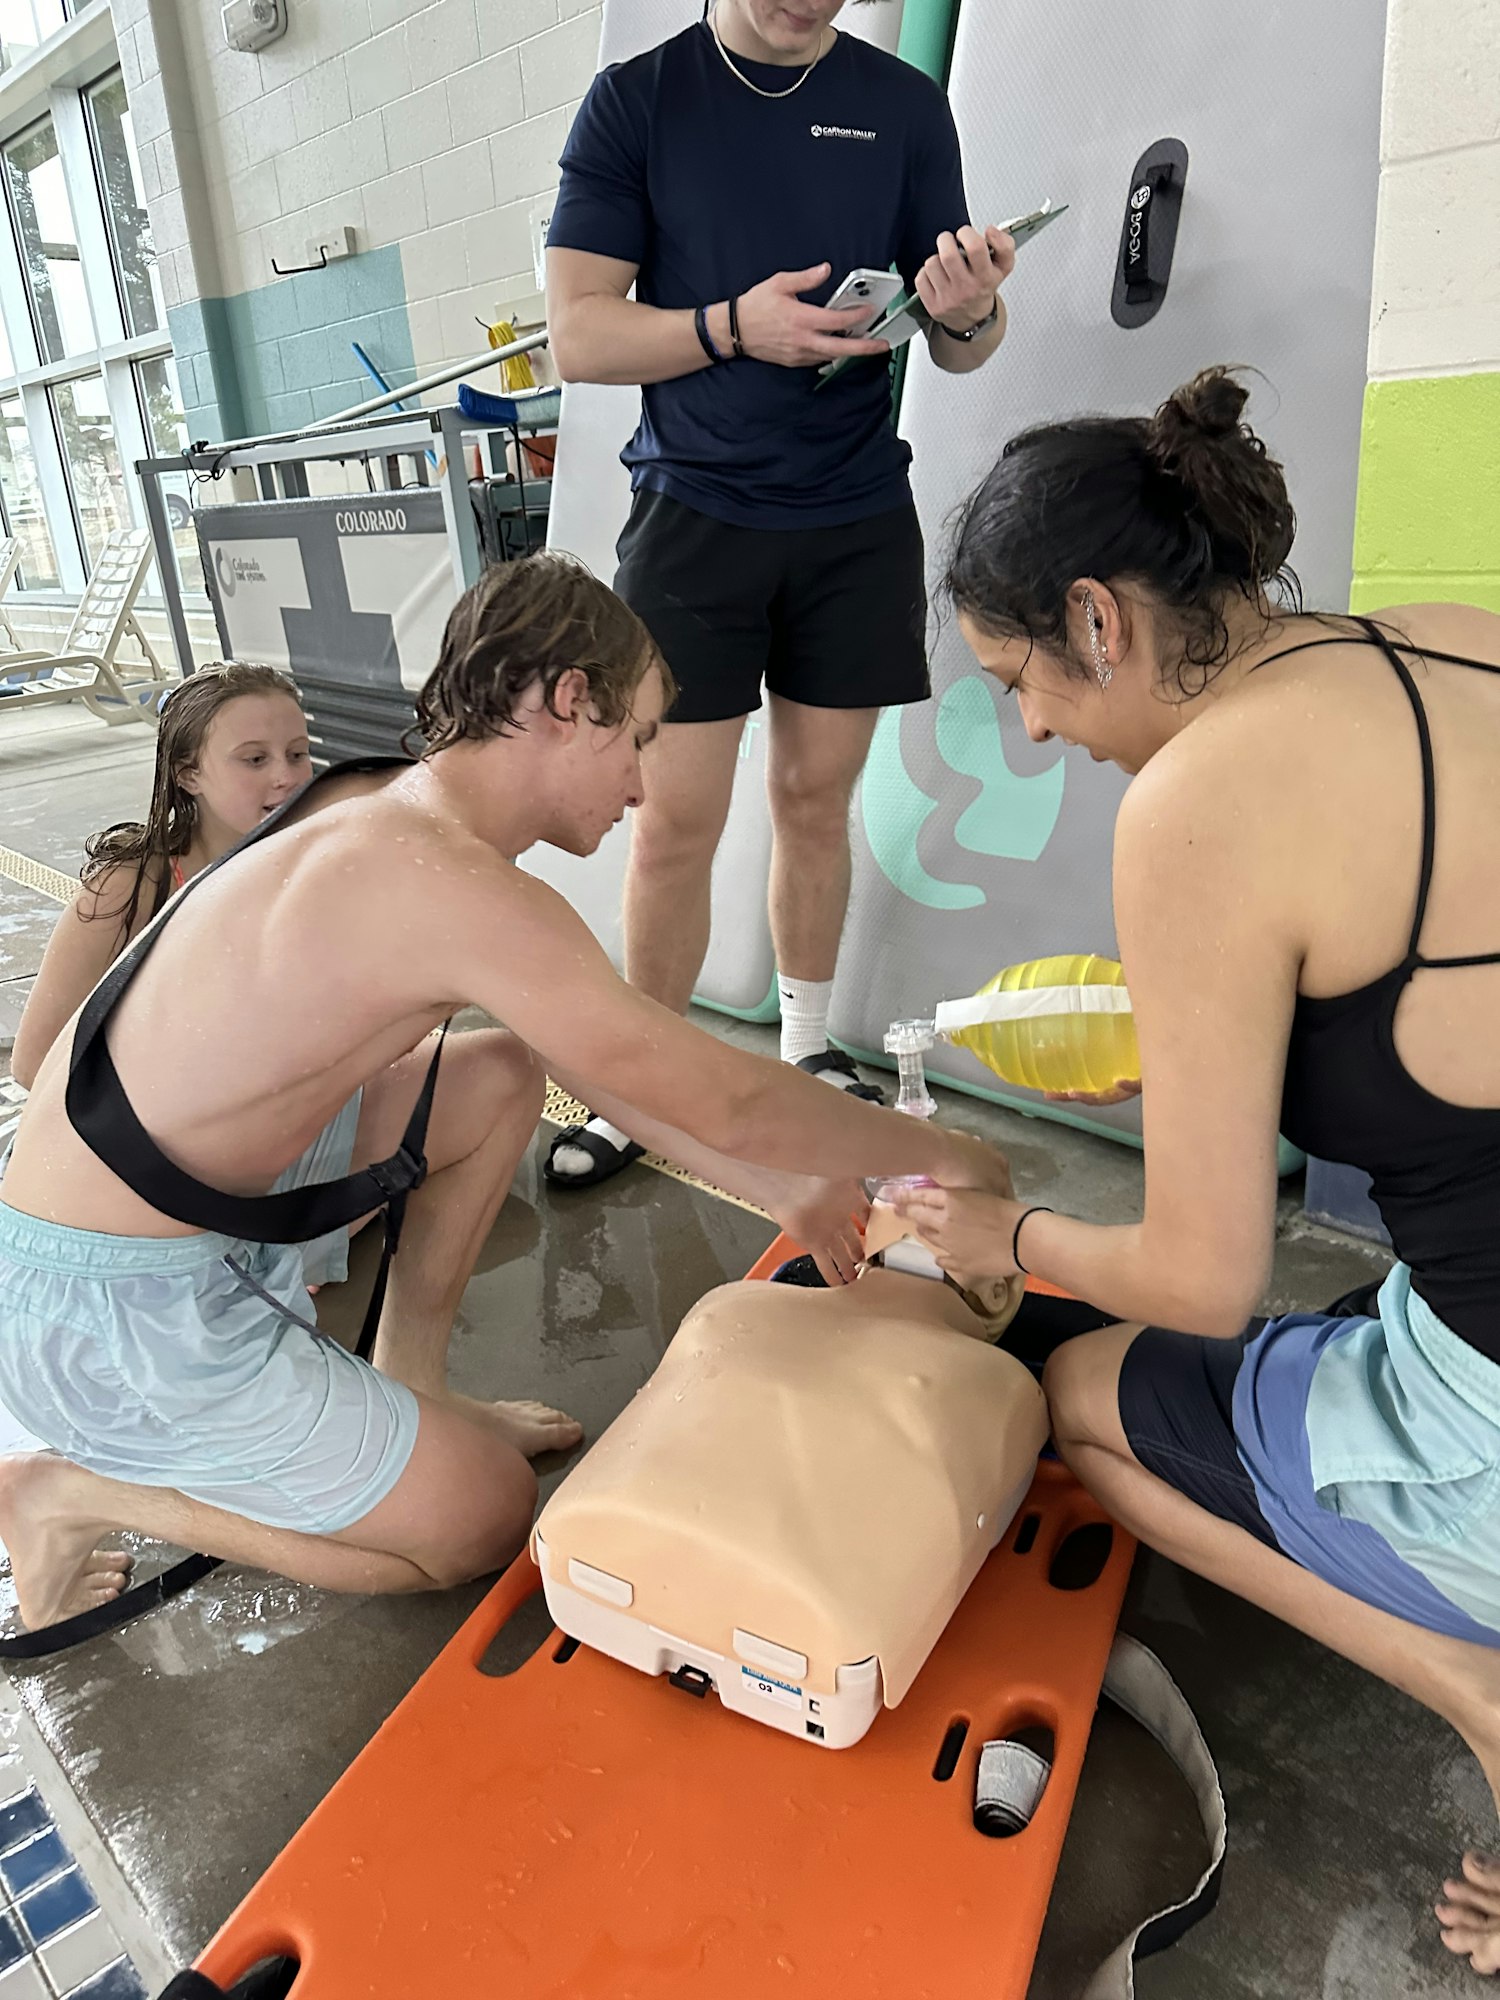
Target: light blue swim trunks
<point>1366,1448</point>
<point>325,1260</point>
<point>157,1360</point>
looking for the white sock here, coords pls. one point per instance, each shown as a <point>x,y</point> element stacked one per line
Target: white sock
<point>804,1016</point>
<point>573,1160</point>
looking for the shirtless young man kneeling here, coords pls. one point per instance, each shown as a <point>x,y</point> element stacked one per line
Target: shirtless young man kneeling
<point>169,1366</point>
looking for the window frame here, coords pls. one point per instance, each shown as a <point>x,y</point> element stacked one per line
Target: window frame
<point>38,592</point>
<point>117,352</point>
<point>86,95</point>
<point>13,219</point>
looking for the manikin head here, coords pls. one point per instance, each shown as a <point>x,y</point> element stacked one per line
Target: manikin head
<point>1110,568</point>
<point>988,1304</point>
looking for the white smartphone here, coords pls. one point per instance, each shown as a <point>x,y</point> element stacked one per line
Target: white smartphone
<point>873,289</point>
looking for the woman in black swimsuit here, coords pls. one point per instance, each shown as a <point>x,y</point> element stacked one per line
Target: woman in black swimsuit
<point>1309,919</point>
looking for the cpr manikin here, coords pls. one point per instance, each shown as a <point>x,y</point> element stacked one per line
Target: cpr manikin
<point>792,1508</point>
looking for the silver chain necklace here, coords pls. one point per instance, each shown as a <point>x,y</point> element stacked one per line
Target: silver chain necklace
<point>774,95</point>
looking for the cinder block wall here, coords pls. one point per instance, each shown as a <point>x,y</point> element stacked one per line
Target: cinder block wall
<point>427,129</point>
<point>1428,525</point>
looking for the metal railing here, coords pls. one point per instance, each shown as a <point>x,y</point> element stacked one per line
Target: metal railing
<point>431,440</point>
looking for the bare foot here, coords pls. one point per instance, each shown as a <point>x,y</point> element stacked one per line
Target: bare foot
<point>55,1561</point>
<point>531,1427</point>
<point>1470,1913</point>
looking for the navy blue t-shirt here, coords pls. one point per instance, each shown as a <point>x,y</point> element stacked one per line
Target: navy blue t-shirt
<point>674,166</point>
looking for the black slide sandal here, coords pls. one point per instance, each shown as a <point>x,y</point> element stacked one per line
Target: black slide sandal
<point>835,1063</point>
<point>608,1159</point>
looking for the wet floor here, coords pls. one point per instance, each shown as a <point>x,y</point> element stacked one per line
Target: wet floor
<point>199,1739</point>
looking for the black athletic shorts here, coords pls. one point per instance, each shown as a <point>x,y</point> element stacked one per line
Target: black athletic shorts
<point>832,617</point>
<point>1176,1398</point>
<point>1176,1401</point>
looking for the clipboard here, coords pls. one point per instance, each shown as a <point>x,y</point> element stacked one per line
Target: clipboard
<point>906,316</point>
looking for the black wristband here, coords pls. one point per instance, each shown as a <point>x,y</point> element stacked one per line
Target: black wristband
<point>705,338</point>
<point>1015,1235</point>
<point>970,332</point>
<point>734,327</point>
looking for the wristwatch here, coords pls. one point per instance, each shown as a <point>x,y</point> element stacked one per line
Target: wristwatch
<point>980,326</point>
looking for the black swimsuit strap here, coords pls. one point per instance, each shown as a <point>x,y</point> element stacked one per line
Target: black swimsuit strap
<point>1393,649</point>
<point>1429,783</point>
<point>106,1121</point>
<point>1375,637</point>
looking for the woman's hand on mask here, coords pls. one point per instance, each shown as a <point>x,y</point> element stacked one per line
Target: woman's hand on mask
<point>968,1231</point>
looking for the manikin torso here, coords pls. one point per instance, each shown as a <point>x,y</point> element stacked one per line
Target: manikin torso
<point>825,1469</point>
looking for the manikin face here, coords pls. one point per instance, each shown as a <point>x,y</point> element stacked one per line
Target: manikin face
<point>255,754</point>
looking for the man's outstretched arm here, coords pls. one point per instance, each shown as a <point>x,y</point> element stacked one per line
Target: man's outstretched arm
<point>542,972</point>
<point>824,1216</point>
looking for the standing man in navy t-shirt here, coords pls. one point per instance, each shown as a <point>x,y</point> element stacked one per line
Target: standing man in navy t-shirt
<point>734,176</point>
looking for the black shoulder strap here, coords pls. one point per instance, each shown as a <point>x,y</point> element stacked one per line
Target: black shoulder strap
<point>1393,648</point>
<point>83,1625</point>
<point>271,1980</point>
<point>1429,780</point>
<point>106,1121</point>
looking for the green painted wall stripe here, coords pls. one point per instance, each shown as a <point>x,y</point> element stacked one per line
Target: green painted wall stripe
<point>1388,587</point>
<point>277,357</point>
<point>1427,524</point>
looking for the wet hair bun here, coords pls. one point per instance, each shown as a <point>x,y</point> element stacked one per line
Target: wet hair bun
<point>1211,405</point>
<point>1234,489</point>
<point>1186,505</point>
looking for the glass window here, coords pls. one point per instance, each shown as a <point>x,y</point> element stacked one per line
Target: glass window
<point>119,170</point>
<point>91,459</point>
<point>18,35</point>
<point>166,427</point>
<point>24,24</point>
<point>21,496</point>
<point>49,243</point>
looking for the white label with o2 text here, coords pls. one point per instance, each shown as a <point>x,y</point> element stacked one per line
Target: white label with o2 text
<point>770,1690</point>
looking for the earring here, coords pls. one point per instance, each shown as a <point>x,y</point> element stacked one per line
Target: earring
<point>1102,667</point>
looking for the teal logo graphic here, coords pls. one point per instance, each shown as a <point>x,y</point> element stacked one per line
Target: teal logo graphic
<point>1012,819</point>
